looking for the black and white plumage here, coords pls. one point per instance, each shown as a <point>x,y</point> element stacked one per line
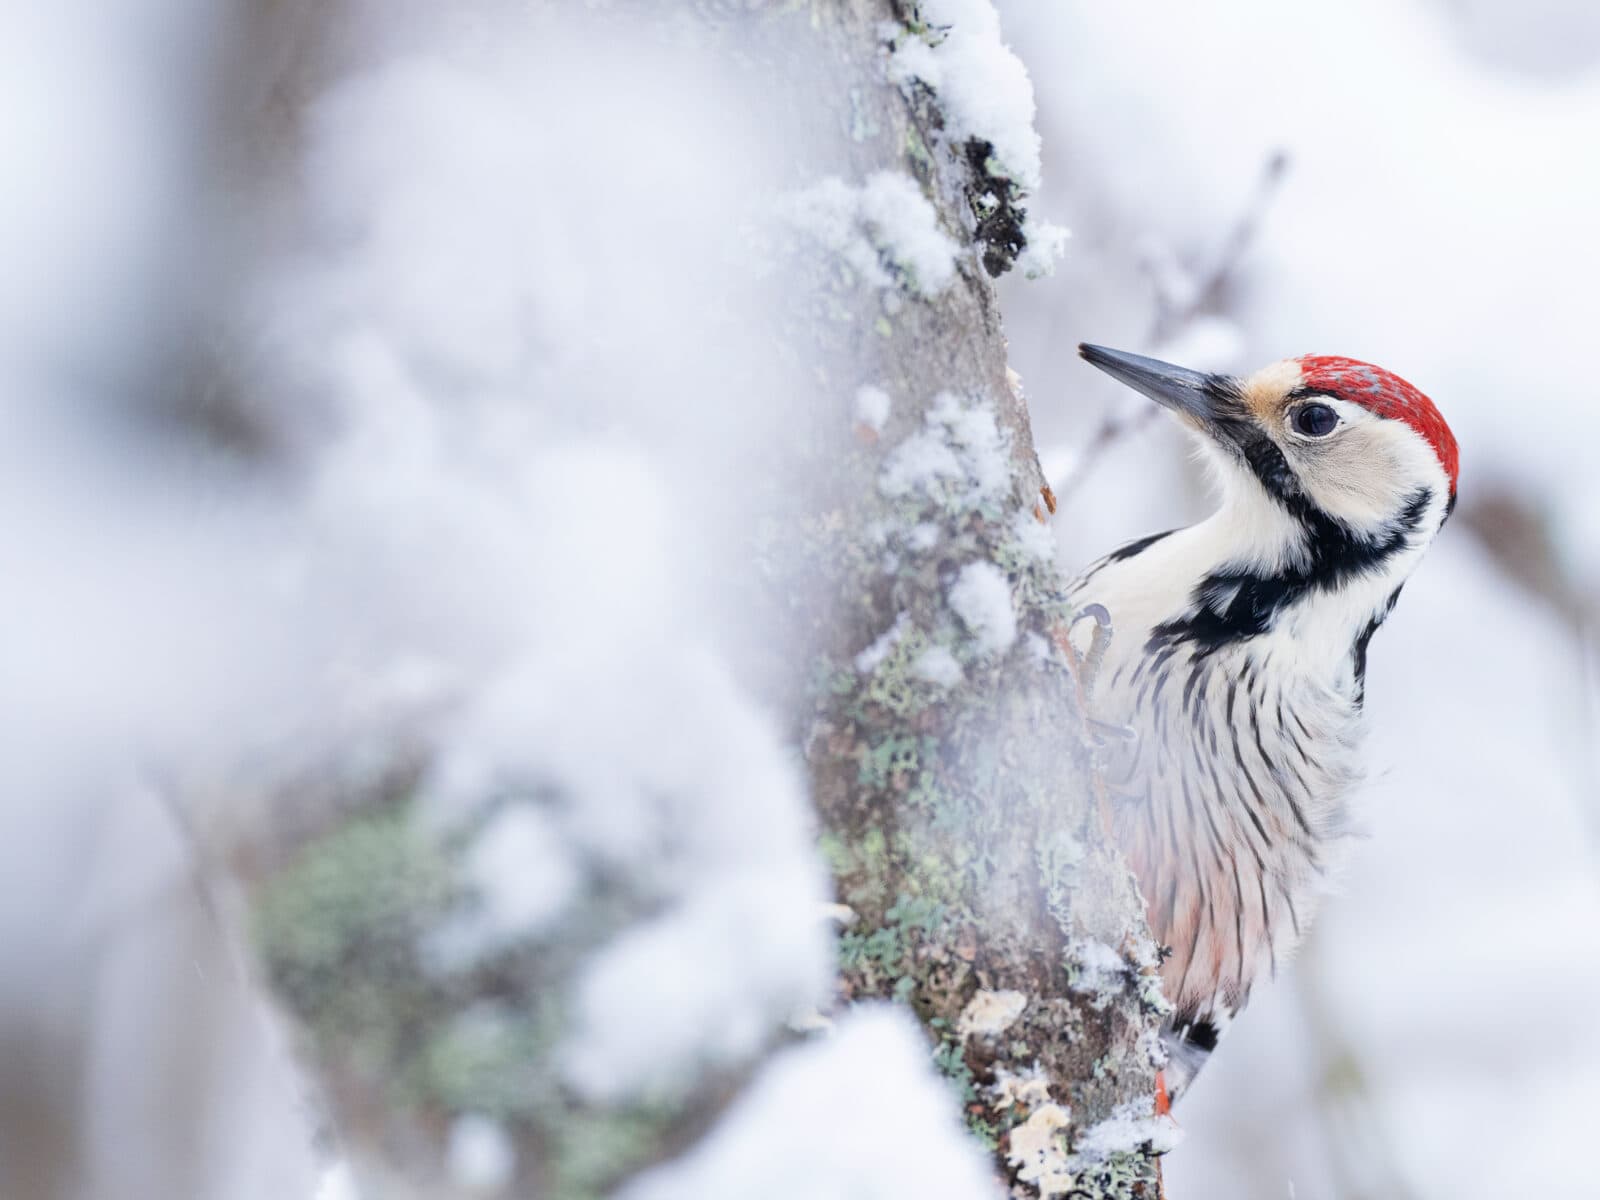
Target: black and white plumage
<point>1238,659</point>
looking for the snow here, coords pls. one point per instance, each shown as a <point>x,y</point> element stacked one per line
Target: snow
<point>1099,970</point>
<point>984,94</point>
<point>919,463</point>
<point>699,807</point>
<point>338,1182</point>
<point>860,1113</point>
<point>1129,1126</point>
<point>983,88</point>
<point>523,877</point>
<point>937,665</point>
<point>960,445</point>
<point>1047,245</point>
<point>981,597</point>
<point>481,1155</point>
<point>886,229</point>
<point>883,645</point>
<point>872,407</point>
<point>701,988</point>
<point>596,729</point>
<point>985,450</point>
<point>1035,537</point>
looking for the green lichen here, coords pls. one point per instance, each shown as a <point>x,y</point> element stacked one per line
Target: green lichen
<point>835,852</point>
<point>873,954</point>
<point>892,760</point>
<point>884,957</point>
<point>916,913</point>
<point>943,875</point>
<point>342,929</point>
<point>949,1056</point>
<point>493,1060</point>
<point>339,928</point>
<point>917,152</point>
<point>874,850</point>
<point>594,1150</point>
<point>862,868</point>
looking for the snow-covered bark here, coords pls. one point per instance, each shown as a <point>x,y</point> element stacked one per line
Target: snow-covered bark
<point>951,762</point>
<point>654,462</point>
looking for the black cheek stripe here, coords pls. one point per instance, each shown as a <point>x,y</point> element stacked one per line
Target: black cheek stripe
<point>1336,554</point>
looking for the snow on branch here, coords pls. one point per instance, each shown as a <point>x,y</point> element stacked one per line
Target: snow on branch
<point>954,51</point>
<point>885,229</point>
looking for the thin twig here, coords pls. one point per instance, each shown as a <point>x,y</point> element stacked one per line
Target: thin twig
<point>1171,319</point>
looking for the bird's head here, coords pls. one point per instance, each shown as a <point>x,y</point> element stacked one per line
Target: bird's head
<point>1358,459</point>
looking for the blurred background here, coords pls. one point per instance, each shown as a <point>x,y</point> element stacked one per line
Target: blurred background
<point>1414,183</point>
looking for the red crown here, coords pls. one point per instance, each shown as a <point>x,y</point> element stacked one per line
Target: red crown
<point>1387,395</point>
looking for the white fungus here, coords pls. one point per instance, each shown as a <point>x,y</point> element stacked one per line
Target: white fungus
<point>1036,1151</point>
<point>1030,1088</point>
<point>989,1013</point>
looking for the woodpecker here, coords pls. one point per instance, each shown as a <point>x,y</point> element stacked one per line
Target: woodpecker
<point>1238,660</point>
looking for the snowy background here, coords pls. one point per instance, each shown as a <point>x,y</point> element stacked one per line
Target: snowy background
<point>213,588</point>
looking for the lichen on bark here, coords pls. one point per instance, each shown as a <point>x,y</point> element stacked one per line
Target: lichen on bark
<point>962,826</point>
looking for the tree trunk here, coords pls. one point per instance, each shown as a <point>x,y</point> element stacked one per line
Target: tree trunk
<point>918,652</point>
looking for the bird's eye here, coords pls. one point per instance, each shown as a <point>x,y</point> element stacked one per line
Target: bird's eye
<point>1315,420</point>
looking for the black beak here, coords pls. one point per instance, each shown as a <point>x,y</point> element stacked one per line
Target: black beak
<point>1200,397</point>
<point>1212,403</point>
